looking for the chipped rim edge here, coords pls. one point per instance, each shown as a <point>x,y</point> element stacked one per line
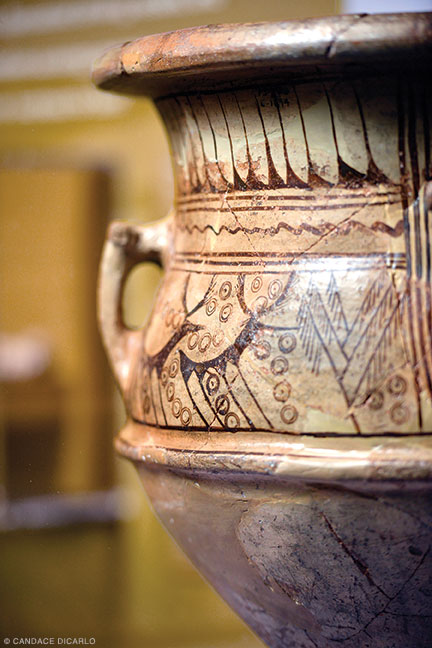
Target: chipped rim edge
<point>290,457</point>
<point>138,66</point>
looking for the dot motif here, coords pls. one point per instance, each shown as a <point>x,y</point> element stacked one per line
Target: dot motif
<point>218,338</point>
<point>256,284</point>
<point>170,391</point>
<point>225,312</point>
<point>231,421</point>
<point>192,340</point>
<point>205,342</point>
<point>289,414</point>
<point>399,413</point>
<point>287,343</point>
<point>282,391</point>
<point>174,367</point>
<point>279,365</point>
<point>225,290</point>
<point>185,416</point>
<point>212,383</point>
<point>397,385</point>
<point>176,407</point>
<point>222,404</point>
<point>274,289</point>
<point>376,401</point>
<point>211,306</point>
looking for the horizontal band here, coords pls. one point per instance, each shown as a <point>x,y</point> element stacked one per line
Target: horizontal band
<point>391,459</point>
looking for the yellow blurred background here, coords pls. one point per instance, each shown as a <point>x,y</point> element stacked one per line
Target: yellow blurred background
<point>81,553</point>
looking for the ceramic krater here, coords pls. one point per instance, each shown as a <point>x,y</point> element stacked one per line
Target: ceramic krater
<point>280,395</point>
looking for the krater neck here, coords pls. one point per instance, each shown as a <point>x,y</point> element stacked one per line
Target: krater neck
<point>286,167</point>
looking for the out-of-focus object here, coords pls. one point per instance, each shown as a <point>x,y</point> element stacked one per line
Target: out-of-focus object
<point>54,408</point>
<point>383,6</point>
<point>23,356</point>
<point>279,398</point>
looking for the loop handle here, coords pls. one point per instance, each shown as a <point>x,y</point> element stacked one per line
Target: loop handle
<point>126,245</point>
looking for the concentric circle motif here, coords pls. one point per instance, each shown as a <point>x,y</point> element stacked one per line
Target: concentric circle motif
<point>164,377</point>
<point>192,340</point>
<point>170,390</point>
<point>174,367</point>
<point>212,383</point>
<point>397,385</point>
<point>231,421</point>
<point>225,312</point>
<point>185,416</point>
<point>282,391</point>
<point>218,338</point>
<point>222,404</point>
<point>176,407</point>
<point>205,342</point>
<point>262,350</point>
<point>211,306</point>
<point>287,342</point>
<point>256,284</point>
<point>399,413</point>
<point>289,414</point>
<point>274,289</point>
<point>376,400</point>
<point>225,290</point>
<point>279,365</point>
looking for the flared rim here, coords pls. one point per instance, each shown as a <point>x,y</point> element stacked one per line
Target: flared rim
<point>210,55</point>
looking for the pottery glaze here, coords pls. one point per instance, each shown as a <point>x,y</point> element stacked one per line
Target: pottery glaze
<point>279,398</point>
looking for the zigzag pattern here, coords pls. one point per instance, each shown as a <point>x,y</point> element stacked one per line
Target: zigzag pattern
<point>325,228</point>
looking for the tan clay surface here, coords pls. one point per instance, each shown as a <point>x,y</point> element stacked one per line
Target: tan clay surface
<point>280,395</point>
<point>297,293</point>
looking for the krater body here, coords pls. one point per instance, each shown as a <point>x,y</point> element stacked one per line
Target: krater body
<point>279,398</point>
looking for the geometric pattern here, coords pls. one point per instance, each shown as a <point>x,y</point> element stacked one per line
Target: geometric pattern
<point>298,299</point>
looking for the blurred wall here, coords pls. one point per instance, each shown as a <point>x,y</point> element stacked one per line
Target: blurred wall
<point>71,159</point>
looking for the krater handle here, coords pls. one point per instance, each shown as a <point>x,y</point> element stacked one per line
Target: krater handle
<point>126,245</point>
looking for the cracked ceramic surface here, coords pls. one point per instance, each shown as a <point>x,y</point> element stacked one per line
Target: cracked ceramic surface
<point>300,264</point>
<point>291,336</point>
<point>304,565</point>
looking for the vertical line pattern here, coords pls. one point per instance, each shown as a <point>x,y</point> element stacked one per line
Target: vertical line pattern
<point>194,117</point>
<point>251,180</point>
<point>190,148</point>
<point>238,182</point>
<point>186,131</point>
<point>227,183</point>
<point>291,178</point>
<point>274,178</point>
